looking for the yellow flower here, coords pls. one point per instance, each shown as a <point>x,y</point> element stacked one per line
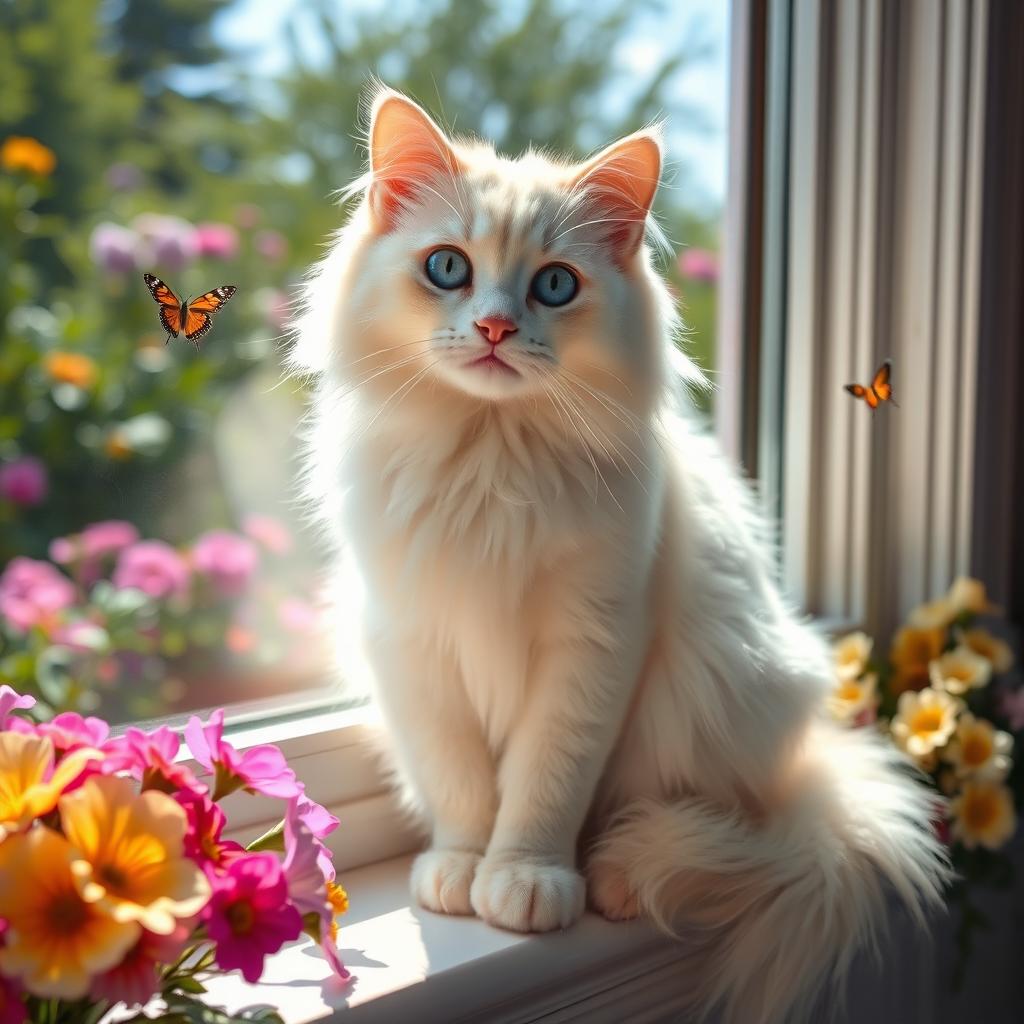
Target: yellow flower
<point>850,654</point>
<point>851,697</point>
<point>959,670</point>
<point>912,651</point>
<point>55,942</point>
<point>337,897</point>
<point>989,647</point>
<point>30,785</point>
<point>933,615</point>
<point>983,815</point>
<point>130,860</point>
<point>967,595</point>
<point>71,368</point>
<point>20,153</point>
<point>924,722</point>
<point>979,750</point>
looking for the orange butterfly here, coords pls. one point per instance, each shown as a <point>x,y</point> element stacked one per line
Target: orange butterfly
<point>194,317</point>
<point>880,390</point>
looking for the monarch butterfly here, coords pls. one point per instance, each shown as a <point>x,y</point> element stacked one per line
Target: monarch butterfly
<point>194,317</point>
<point>880,390</point>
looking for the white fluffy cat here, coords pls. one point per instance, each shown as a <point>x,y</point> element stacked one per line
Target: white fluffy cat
<point>593,688</point>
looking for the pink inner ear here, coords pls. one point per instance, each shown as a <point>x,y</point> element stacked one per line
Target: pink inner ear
<point>620,184</point>
<point>408,154</point>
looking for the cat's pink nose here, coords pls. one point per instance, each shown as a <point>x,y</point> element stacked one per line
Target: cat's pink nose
<point>494,328</point>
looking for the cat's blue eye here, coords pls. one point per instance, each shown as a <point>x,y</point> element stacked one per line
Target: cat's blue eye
<point>448,268</point>
<point>554,285</point>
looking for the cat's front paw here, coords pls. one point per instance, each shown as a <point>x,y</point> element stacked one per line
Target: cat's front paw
<point>441,880</point>
<point>527,897</point>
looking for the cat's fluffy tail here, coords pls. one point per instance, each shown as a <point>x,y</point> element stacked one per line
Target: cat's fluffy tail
<point>779,910</point>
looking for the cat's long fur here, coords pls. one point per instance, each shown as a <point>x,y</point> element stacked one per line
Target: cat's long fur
<point>565,592</point>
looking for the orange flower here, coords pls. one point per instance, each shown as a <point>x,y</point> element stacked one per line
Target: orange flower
<point>912,651</point>
<point>71,368</point>
<point>55,941</point>
<point>20,153</point>
<point>117,447</point>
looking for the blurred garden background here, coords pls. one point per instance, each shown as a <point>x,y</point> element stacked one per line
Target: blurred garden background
<point>152,556</point>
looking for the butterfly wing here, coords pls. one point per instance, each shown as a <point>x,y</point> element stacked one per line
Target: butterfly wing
<point>169,303</point>
<point>199,316</point>
<point>880,385</point>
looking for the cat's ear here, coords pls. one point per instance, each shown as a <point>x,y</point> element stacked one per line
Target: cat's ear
<point>619,184</point>
<point>409,154</point>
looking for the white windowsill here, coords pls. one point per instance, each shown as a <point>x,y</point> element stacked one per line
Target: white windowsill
<point>409,964</point>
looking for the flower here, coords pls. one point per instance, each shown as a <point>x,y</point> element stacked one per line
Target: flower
<point>271,245</point>
<point>168,242</point>
<point>21,153</point>
<point>112,248</point>
<point>249,916</point>
<point>967,596</point>
<point>261,769</point>
<point>11,700</point>
<point>32,592</point>
<point>137,977</point>
<point>130,858</point>
<point>153,567</point>
<point>995,651</point>
<point>247,215</point>
<point>24,481</point>
<point>978,750</point>
<point>936,614</point>
<point>227,560</point>
<point>959,670</point>
<point>67,731</point>
<point>850,655</point>
<point>124,177</point>
<point>56,940</point>
<point>924,721</point>
<point>321,823</point>
<point>71,368</point>
<point>983,815</point>
<point>912,651</point>
<point>853,698</point>
<point>269,533</point>
<point>203,842</point>
<point>12,1006</point>
<point>217,240</point>
<point>699,265</point>
<point>81,636</point>
<point>150,757</point>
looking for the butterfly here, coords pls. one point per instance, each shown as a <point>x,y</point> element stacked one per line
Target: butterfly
<point>193,317</point>
<point>880,390</point>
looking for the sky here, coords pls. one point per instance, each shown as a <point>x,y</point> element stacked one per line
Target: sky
<point>255,27</point>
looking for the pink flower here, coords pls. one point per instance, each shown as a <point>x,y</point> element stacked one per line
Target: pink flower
<point>137,976</point>
<point>1012,707</point>
<point>320,823</point>
<point>227,559</point>
<point>203,842</point>
<point>169,243</point>
<point>699,265</point>
<point>81,636</point>
<point>113,248</point>
<point>260,769</point>
<point>24,481</point>
<point>270,533</point>
<point>153,567</point>
<point>11,700</point>
<point>68,731</point>
<point>271,245</point>
<point>92,546</point>
<point>151,757</point>
<point>217,240</point>
<point>249,916</point>
<point>32,592</point>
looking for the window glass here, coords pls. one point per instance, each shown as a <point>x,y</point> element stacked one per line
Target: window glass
<point>153,557</point>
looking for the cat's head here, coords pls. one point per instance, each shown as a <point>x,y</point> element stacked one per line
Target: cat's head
<point>498,279</point>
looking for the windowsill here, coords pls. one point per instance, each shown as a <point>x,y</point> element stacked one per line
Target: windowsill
<point>410,964</point>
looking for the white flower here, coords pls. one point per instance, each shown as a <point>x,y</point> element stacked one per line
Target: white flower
<point>983,815</point>
<point>978,750</point>
<point>850,654</point>
<point>924,722</point>
<point>852,697</point>
<point>959,670</point>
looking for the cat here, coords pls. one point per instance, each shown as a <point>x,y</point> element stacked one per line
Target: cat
<point>593,689</point>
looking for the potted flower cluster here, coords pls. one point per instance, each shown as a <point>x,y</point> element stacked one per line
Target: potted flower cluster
<point>944,694</point>
<point>218,616</point>
<point>117,883</point>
